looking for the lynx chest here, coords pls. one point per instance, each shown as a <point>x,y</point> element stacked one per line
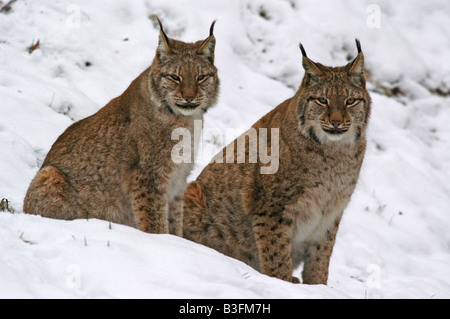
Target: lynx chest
<point>183,155</point>
<point>327,184</point>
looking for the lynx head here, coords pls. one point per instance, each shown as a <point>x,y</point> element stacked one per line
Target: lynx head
<point>334,103</point>
<point>183,77</point>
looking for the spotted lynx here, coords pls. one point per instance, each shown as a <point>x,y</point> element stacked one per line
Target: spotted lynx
<point>116,164</point>
<point>274,222</point>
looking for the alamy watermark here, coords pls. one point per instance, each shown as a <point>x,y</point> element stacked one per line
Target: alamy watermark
<point>74,18</point>
<point>253,146</point>
<point>73,280</point>
<point>374,278</point>
<point>374,18</point>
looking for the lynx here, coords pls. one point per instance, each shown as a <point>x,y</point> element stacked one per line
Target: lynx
<point>116,164</point>
<point>275,222</point>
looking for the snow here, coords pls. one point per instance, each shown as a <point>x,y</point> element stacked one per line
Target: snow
<point>393,241</point>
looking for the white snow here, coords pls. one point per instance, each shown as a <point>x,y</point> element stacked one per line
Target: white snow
<point>394,239</point>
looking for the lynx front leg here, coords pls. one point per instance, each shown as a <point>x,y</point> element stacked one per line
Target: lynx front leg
<point>317,258</point>
<point>273,240</point>
<point>150,203</point>
<point>176,216</point>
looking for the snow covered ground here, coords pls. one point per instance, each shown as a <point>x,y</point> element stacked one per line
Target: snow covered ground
<point>394,240</point>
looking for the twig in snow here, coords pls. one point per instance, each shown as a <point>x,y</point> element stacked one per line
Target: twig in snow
<point>33,47</point>
<point>26,241</point>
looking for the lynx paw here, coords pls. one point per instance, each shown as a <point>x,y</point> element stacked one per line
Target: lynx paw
<point>295,280</point>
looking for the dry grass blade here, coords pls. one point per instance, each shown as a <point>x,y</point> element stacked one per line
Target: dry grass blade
<point>33,47</point>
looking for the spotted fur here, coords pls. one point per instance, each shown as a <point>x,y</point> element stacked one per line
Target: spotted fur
<point>116,164</point>
<point>274,222</point>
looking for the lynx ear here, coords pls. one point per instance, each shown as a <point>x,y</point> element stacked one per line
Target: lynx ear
<point>356,70</point>
<point>163,42</point>
<point>207,47</point>
<point>311,69</point>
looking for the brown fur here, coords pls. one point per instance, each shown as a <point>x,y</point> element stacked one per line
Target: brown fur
<point>116,164</point>
<point>273,222</point>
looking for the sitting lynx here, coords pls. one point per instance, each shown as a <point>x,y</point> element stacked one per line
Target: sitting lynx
<point>116,164</point>
<point>273,222</point>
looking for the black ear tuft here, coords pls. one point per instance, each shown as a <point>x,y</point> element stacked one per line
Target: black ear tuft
<point>211,30</point>
<point>312,71</point>
<point>358,45</point>
<point>163,49</point>
<point>356,67</point>
<point>161,29</point>
<point>303,50</point>
<point>207,47</point>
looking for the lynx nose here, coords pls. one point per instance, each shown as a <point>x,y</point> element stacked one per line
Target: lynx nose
<point>336,123</point>
<point>188,99</point>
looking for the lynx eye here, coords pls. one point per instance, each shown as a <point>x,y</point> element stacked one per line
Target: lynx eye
<point>322,100</point>
<point>351,102</point>
<point>201,77</point>
<point>175,77</point>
